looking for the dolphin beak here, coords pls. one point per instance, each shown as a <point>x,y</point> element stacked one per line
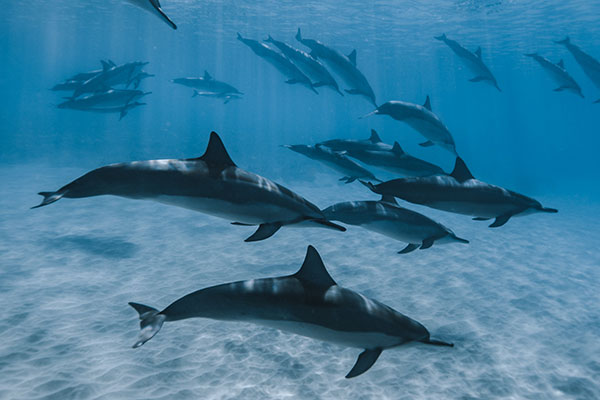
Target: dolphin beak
<point>369,114</point>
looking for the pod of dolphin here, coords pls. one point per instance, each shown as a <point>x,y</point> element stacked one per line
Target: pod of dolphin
<point>309,302</point>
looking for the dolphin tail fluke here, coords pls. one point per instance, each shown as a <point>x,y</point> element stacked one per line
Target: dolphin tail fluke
<point>49,198</point>
<point>299,35</point>
<point>437,342</point>
<point>459,239</point>
<point>549,210</point>
<point>150,323</point>
<point>566,40</point>
<point>264,231</point>
<point>365,360</point>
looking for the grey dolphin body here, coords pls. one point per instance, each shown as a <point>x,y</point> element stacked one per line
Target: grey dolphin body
<point>309,65</point>
<point>558,73</point>
<point>461,193</point>
<point>337,161</point>
<point>111,101</point>
<point>111,75</point>
<point>344,66</point>
<point>153,6</point>
<point>472,61</point>
<point>374,152</point>
<point>420,118</point>
<point>211,184</point>
<point>590,66</point>
<point>307,303</point>
<point>283,65</point>
<point>389,219</point>
<point>207,84</point>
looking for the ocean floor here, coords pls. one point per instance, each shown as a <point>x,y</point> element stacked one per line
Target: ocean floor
<point>521,302</point>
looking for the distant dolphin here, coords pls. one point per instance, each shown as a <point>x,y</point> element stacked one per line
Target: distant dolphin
<point>420,118</point>
<point>111,101</point>
<point>207,84</point>
<point>309,65</point>
<point>283,65</point>
<point>227,97</point>
<point>337,161</point>
<point>558,73</point>
<point>344,66</point>
<point>589,64</point>
<point>307,303</point>
<point>389,219</point>
<point>472,61</point>
<point>374,152</point>
<point>153,6</point>
<point>460,193</point>
<point>211,184</point>
<point>111,75</point>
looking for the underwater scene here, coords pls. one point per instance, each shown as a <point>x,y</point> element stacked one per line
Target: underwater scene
<point>158,160</point>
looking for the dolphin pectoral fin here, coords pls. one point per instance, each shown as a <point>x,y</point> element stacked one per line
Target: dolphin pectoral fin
<point>428,143</point>
<point>427,243</point>
<point>162,15</point>
<point>150,323</point>
<point>329,224</point>
<point>241,224</point>
<point>549,210</point>
<point>409,248</point>
<point>49,198</point>
<point>264,231</point>
<point>501,220</point>
<point>437,342</point>
<point>365,360</point>
<point>478,79</point>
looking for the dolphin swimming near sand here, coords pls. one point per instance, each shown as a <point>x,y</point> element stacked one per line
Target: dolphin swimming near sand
<point>590,66</point>
<point>307,303</point>
<point>111,75</point>
<point>283,65</point>
<point>111,101</point>
<point>153,6</point>
<point>420,118</point>
<point>558,73</point>
<point>211,184</point>
<point>337,161</point>
<point>344,66</point>
<point>389,219</point>
<point>473,61</point>
<point>374,152</point>
<point>461,193</point>
<point>207,84</point>
<point>309,65</point>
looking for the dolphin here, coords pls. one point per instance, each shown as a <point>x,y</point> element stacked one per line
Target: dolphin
<point>337,161</point>
<point>308,303</point>
<point>207,84</point>
<point>420,118</point>
<point>374,152</point>
<point>590,66</point>
<point>344,66</point>
<point>307,64</point>
<point>389,219</point>
<point>153,6</point>
<point>558,73</point>
<point>283,65</point>
<point>112,99</point>
<point>211,184</point>
<point>111,75</point>
<point>472,61</point>
<point>461,193</point>
<point>226,96</point>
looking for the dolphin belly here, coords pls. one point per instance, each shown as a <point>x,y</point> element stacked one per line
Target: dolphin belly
<point>403,231</point>
<point>486,210</point>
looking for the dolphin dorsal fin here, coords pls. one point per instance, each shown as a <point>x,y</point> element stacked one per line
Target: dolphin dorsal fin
<point>105,66</point>
<point>215,154</point>
<point>111,62</point>
<point>461,173</point>
<point>207,76</point>
<point>313,270</point>
<point>478,52</point>
<point>352,57</point>
<point>561,63</point>
<point>388,198</point>
<point>375,137</point>
<point>397,149</point>
<point>427,103</point>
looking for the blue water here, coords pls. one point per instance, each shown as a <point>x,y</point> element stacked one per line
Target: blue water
<point>520,302</point>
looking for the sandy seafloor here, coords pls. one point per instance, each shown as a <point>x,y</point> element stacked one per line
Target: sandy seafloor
<point>521,303</point>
